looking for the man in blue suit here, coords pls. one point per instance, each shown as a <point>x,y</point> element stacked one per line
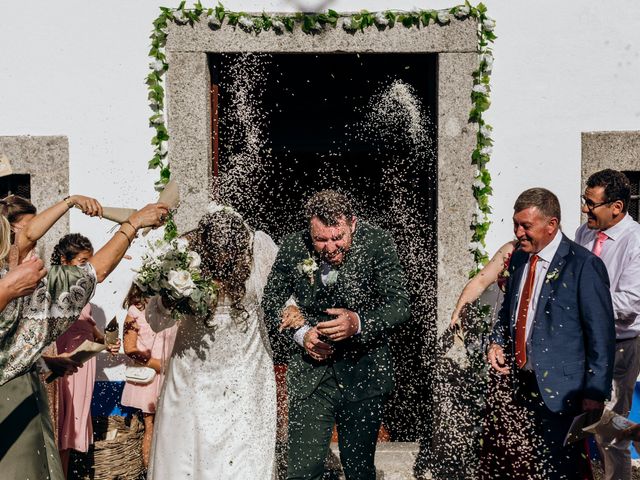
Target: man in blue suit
<point>556,324</point>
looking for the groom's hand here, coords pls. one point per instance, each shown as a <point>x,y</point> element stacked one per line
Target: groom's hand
<point>316,348</point>
<point>345,325</point>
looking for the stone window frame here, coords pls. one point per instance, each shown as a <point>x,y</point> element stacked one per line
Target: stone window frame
<point>46,160</point>
<point>618,150</point>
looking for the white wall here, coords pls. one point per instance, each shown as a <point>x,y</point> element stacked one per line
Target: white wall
<point>77,68</point>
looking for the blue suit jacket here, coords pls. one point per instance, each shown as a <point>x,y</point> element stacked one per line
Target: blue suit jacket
<point>572,344</point>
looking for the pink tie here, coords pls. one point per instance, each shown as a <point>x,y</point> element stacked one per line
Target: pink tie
<point>597,246</point>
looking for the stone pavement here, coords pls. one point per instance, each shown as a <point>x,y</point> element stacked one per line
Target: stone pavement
<point>394,461</point>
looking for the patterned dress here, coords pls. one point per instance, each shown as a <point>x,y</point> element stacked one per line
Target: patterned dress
<point>27,326</point>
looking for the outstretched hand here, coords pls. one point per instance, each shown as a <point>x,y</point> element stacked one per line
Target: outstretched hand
<point>631,433</point>
<point>315,347</point>
<point>152,215</point>
<point>497,359</point>
<point>291,318</point>
<point>89,206</point>
<point>345,325</point>
<point>62,364</point>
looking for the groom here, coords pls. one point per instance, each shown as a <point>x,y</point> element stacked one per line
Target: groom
<point>348,286</point>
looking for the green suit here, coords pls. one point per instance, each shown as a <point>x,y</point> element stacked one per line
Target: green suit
<point>350,388</point>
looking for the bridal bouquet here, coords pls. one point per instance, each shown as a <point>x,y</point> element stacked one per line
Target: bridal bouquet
<point>171,270</point>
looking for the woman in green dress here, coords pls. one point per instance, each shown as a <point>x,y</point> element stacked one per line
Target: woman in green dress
<point>28,324</point>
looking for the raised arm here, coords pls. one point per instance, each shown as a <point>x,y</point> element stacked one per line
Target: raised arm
<point>41,223</point>
<point>108,257</point>
<point>483,280</point>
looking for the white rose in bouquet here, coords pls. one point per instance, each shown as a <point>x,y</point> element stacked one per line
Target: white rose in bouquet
<point>181,282</point>
<point>182,245</point>
<point>194,259</point>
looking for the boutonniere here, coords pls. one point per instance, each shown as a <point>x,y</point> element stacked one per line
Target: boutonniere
<point>308,267</point>
<point>551,276</point>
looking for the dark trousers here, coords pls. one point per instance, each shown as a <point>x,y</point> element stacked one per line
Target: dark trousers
<point>311,423</point>
<point>566,463</point>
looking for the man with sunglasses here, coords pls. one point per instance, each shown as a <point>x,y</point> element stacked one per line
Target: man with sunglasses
<point>614,236</point>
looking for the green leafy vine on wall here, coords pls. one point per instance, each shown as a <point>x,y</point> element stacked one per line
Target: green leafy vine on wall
<point>314,23</point>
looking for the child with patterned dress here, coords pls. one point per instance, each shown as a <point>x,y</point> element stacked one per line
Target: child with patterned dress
<point>75,431</point>
<point>150,349</point>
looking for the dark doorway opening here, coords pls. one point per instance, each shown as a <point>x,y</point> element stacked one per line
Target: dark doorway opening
<point>16,184</point>
<point>287,125</point>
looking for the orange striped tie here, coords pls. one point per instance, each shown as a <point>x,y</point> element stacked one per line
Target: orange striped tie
<point>523,309</point>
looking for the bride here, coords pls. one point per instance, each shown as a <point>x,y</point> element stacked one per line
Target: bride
<point>216,415</point>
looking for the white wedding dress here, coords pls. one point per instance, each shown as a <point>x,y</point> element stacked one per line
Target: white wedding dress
<point>216,416</point>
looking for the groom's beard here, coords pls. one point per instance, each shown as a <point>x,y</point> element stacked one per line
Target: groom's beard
<point>335,258</point>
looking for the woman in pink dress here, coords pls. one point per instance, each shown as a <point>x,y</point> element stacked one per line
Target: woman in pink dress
<point>150,349</point>
<point>75,391</point>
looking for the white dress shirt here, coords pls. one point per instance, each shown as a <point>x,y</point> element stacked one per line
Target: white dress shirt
<point>621,255</point>
<point>544,260</point>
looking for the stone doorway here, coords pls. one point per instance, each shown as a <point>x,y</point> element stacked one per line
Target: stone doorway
<point>287,125</point>
<point>195,159</point>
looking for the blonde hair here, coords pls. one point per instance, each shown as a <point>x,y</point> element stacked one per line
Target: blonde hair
<point>5,239</point>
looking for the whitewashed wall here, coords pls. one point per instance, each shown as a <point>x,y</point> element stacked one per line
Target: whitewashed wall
<point>76,68</point>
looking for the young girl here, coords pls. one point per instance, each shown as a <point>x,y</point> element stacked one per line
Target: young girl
<point>75,391</point>
<point>148,348</point>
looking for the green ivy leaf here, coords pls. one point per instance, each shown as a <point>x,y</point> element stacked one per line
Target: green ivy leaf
<point>289,23</point>
<point>155,162</point>
<point>425,17</point>
<point>233,19</point>
<point>220,13</point>
<point>198,8</point>
<point>165,175</point>
<point>391,16</point>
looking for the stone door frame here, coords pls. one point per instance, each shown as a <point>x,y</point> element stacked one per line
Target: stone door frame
<point>188,118</point>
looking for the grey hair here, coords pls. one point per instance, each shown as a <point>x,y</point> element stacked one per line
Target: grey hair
<point>541,198</point>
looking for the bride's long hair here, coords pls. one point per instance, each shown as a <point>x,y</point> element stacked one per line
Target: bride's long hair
<point>224,242</point>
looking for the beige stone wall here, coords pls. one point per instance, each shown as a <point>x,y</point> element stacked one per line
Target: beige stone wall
<point>46,159</point>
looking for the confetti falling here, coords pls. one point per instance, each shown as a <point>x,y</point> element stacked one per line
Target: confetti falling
<point>436,401</point>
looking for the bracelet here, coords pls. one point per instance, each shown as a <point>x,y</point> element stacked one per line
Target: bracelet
<point>70,204</point>
<point>131,224</point>
<point>125,236</point>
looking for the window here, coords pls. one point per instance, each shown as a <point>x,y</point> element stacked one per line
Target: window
<point>634,205</point>
<point>17,184</point>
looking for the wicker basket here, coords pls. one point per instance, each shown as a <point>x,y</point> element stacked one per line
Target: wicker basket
<point>117,459</point>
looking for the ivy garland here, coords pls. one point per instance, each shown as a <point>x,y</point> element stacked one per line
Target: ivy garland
<point>313,24</point>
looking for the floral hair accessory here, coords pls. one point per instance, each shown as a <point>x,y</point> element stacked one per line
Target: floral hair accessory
<point>214,207</point>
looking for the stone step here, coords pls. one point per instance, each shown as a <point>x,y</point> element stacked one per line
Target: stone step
<point>394,461</point>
